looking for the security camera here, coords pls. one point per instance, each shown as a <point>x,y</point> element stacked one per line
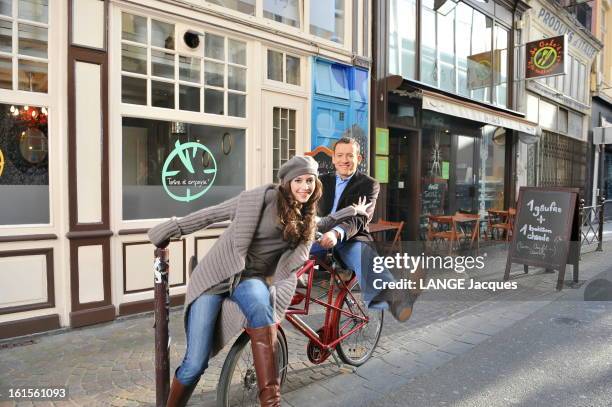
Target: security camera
<point>192,38</point>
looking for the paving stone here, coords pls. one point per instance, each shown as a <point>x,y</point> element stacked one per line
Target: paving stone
<point>113,363</point>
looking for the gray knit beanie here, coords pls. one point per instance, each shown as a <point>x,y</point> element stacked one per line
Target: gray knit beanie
<point>296,166</point>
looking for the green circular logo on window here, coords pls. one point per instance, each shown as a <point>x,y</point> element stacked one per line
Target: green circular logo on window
<point>189,171</point>
<point>545,57</point>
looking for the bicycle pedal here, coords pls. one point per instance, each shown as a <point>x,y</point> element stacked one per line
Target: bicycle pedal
<point>344,275</point>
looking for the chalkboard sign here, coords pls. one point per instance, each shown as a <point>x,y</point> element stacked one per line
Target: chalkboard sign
<point>546,223</point>
<point>323,156</point>
<point>432,196</point>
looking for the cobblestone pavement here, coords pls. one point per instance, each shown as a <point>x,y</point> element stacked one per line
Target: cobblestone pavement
<point>113,364</point>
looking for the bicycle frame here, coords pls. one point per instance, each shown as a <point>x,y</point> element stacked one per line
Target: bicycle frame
<point>333,307</point>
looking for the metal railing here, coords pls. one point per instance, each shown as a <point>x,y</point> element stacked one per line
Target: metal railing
<point>592,225</point>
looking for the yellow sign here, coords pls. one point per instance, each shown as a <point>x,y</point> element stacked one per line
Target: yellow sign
<point>1,162</point>
<point>480,67</point>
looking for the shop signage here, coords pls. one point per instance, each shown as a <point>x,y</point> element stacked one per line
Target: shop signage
<point>559,27</point>
<point>382,141</point>
<point>601,135</point>
<point>381,169</point>
<point>189,171</point>
<point>480,67</point>
<point>546,57</point>
<point>323,156</point>
<point>547,222</point>
<point>432,196</point>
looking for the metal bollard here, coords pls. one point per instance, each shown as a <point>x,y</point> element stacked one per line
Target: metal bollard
<point>581,220</point>
<point>162,305</point>
<point>602,202</point>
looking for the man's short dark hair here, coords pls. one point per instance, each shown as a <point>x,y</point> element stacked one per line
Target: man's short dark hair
<point>347,140</point>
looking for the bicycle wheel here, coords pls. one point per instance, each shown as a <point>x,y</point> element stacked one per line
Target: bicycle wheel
<point>357,348</point>
<point>238,381</point>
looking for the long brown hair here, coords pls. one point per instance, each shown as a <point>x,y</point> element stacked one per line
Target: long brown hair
<point>298,220</point>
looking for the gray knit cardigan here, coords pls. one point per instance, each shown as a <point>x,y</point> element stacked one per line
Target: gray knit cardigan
<point>227,256</point>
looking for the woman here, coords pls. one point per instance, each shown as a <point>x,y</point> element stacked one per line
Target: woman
<point>252,265</point>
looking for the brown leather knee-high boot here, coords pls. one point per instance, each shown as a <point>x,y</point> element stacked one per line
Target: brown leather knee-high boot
<point>264,346</point>
<point>179,393</point>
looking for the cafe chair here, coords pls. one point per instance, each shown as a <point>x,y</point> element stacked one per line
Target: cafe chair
<point>501,222</point>
<point>442,228</point>
<point>467,226</point>
<point>390,226</point>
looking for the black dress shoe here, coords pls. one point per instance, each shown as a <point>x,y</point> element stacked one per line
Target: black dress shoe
<point>400,303</point>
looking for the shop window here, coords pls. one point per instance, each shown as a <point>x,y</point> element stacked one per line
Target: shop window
<point>360,85</point>
<point>243,6</point>
<point>548,115</point>
<point>283,134</point>
<point>500,66</point>
<point>283,67</point>
<point>533,108</point>
<point>567,86</point>
<point>327,19</point>
<point>286,11</point>
<point>429,68</point>
<point>492,168</point>
<point>607,192</point>
<point>563,120</point>
<point>575,125</point>
<point>582,83</point>
<point>24,165</point>
<point>402,38</point>
<point>174,168</point>
<point>575,73</point>
<point>457,51</point>
<point>446,51</point>
<point>24,43</point>
<point>149,70</point>
<point>331,80</point>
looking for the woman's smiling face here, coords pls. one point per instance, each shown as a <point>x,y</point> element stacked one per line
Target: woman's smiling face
<point>302,187</point>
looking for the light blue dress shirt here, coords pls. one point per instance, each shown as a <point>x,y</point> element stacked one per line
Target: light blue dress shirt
<point>340,187</point>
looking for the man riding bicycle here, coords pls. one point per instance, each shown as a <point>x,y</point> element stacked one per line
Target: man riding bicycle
<point>351,238</point>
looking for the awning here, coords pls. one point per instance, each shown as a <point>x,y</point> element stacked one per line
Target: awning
<point>472,111</point>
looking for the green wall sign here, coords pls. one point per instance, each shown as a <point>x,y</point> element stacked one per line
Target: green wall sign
<point>382,141</point>
<point>381,169</point>
<point>189,171</point>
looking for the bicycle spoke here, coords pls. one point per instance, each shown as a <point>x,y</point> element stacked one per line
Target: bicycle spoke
<point>358,346</point>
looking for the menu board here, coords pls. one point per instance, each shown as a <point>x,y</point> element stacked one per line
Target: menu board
<point>323,156</point>
<point>432,196</point>
<point>545,225</point>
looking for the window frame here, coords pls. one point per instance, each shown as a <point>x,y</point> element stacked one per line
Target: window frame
<point>418,63</point>
<point>284,84</point>
<point>14,55</point>
<point>51,100</point>
<point>302,32</point>
<point>118,110</point>
<point>177,81</point>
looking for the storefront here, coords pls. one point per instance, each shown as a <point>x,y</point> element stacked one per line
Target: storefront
<point>602,162</point>
<point>161,109</point>
<point>449,108</point>
<point>454,154</point>
<point>560,105</point>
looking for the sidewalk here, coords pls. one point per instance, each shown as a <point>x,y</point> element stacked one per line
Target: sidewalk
<point>410,374</point>
<point>112,364</point>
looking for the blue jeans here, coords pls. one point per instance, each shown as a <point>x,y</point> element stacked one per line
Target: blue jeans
<point>253,298</point>
<point>359,257</point>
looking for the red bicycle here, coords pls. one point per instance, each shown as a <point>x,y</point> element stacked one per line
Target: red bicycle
<point>349,329</point>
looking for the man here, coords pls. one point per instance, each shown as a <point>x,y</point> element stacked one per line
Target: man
<point>351,238</point>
